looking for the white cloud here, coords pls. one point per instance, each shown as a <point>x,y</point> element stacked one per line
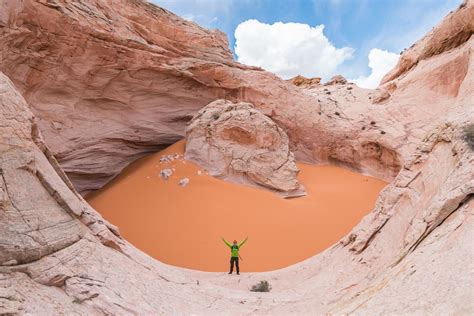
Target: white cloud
<point>289,49</point>
<point>380,63</point>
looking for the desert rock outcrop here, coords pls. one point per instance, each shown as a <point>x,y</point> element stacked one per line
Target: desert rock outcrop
<point>303,81</point>
<point>108,83</point>
<point>338,79</point>
<point>236,142</point>
<point>456,29</point>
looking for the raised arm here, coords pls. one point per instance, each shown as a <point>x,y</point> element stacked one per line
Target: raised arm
<point>243,242</point>
<point>226,242</point>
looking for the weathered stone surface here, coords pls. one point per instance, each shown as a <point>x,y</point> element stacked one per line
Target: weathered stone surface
<point>236,142</point>
<point>336,80</point>
<point>305,82</point>
<point>110,82</point>
<point>33,223</point>
<point>58,256</point>
<point>41,212</point>
<point>456,29</point>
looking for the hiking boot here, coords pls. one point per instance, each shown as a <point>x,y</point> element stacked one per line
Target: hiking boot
<point>229,273</point>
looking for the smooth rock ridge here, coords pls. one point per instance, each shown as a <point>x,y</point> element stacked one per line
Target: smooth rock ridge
<point>236,142</point>
<point>407,256</point>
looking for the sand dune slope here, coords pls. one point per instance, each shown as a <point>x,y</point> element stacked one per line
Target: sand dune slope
<point>182,225</point>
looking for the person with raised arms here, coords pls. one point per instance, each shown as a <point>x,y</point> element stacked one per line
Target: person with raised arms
<point>234,253</point>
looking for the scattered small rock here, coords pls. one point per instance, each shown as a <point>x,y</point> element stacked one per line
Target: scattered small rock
<point>164,159</point>
<point>166,173</point>
<point>168,158</point>
<point>183,182</point>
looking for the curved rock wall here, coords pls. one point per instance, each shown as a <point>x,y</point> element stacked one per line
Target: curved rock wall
<point>109,83</point>
<point>407,256</point>
<point>41,212</point>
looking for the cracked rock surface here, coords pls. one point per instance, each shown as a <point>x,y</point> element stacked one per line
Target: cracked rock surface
<point>236,142</point>
<point>412,254</point>
<point>110,82</point>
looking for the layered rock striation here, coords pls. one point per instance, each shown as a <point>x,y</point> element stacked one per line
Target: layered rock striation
<point>236,142</point>
<point>110,82</point>
<point>301,81</point>
<point>106,83</point>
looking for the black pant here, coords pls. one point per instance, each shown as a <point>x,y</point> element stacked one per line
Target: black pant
<point>234,260</point>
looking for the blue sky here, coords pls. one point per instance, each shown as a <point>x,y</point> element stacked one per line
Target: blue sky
<point>361,25</point>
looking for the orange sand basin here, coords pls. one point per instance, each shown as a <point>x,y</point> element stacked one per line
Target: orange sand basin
<point>182,225</point>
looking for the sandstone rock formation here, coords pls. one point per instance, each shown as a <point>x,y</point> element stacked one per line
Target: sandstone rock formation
<point>111,82</point>
<point>338,79</point>
<point>236,142</point>
<point>107,83</point>
<point>303,81</point>
<point>456,29</point>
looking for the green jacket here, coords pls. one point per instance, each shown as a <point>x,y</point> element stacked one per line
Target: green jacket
<point>234,250</point>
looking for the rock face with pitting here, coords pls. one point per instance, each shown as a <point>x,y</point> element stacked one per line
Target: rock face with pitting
<point>236,142</point>
<point>456,29</point>
<point>336,80</point>
<point>110,82</point>
<point>301,81</point>
<point>58,256</point>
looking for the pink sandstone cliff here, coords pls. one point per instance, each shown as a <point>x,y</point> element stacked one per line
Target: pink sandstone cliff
<point>82,65</point>
<point>104,84</point>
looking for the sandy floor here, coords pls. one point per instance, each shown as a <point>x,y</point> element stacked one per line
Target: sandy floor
<point>182,225</point>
